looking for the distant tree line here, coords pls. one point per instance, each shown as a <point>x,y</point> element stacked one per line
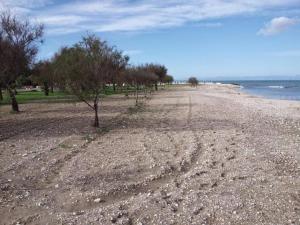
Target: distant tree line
<point>85,69</point>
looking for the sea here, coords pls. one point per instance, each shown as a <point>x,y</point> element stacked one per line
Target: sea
<point>273,89</point>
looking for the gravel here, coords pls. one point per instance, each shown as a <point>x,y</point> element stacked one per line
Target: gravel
<point>206,155</point>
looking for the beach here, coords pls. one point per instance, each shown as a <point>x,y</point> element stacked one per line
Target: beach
<point>205,155</point>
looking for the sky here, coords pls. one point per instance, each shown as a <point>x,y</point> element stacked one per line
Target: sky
<point>210,39</point>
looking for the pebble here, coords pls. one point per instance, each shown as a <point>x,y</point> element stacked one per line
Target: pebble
<point>98,200</point>
<point>78,213</point>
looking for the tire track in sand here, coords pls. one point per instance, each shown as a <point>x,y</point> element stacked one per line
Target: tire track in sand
<point>150,185</point>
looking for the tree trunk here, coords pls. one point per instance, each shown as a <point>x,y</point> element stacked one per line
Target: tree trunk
<point>46,88</point>
<point>136,95</point>
<point>14,103</point>
<point>96,123</point>
<point>156,87</point>
<point>126,91</point>
<point>104,88</point>
<point>52,89</point>
<point>1,95</point>
<point>114,87</point>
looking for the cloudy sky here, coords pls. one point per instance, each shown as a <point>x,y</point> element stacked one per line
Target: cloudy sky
<point>206,38</point>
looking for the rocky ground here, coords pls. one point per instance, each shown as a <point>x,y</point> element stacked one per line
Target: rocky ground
<point>210,155</point>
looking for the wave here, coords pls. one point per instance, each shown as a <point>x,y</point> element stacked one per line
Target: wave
<point>295,86</point>
<point>279,86</point>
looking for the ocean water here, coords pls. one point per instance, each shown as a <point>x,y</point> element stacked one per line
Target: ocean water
<point>274,89</point>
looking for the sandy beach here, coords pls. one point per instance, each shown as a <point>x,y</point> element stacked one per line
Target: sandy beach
<point>206,155</point>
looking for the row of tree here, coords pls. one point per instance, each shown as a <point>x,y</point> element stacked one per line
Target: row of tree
<point>84,70</point>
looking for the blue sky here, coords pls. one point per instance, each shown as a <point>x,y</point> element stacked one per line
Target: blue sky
<point>205,38</point>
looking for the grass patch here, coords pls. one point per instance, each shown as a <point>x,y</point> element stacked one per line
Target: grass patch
<point>102,130</point>
<point>38,96</point>
<point>24,97</point>
<point>89,138</point>
<point>65,146</point>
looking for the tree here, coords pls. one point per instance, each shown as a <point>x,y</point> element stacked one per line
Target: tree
<point>85,68</point>
<point>168,79</point>
<point>43,75</point>
<point>118,65</point>
<point>159,70</point>
<point>1,95</point>
<point>193,81</point>
<point>18,48</point>
<point>140,76</point>
<point>3,65</point>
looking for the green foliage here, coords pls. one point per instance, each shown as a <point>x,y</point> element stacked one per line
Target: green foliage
<point>43,75</point>
<point>168,79</point>
<point>159,70</point>
<point>85,68</point>
<point>138,76</point>
<point>23,80</point>
<point>193,81</point>
<point>19,41</point>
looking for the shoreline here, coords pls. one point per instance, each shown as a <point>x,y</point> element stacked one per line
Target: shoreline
<point>270,91</point>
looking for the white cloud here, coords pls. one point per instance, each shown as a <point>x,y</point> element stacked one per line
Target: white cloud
<point>277,25</point>
<point>62,20</point>
<point>210,25</point>
<point>127,15</point>
<point>22,6</point>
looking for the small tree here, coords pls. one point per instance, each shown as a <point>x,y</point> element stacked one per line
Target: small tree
<point>193,81</point>
<point>118,66</point>
<point>85,68</point>
<point>140,77</point>
<point>168,79</point>
<point>18,48</point>
<point>159,70</point>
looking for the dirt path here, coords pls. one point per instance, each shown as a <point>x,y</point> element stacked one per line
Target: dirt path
<point>192,156</point>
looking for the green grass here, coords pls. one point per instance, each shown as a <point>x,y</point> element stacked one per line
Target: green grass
<point>38,96</point>
<point>58,96</point>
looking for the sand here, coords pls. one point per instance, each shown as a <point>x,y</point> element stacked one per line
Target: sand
<point>206,155</point>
